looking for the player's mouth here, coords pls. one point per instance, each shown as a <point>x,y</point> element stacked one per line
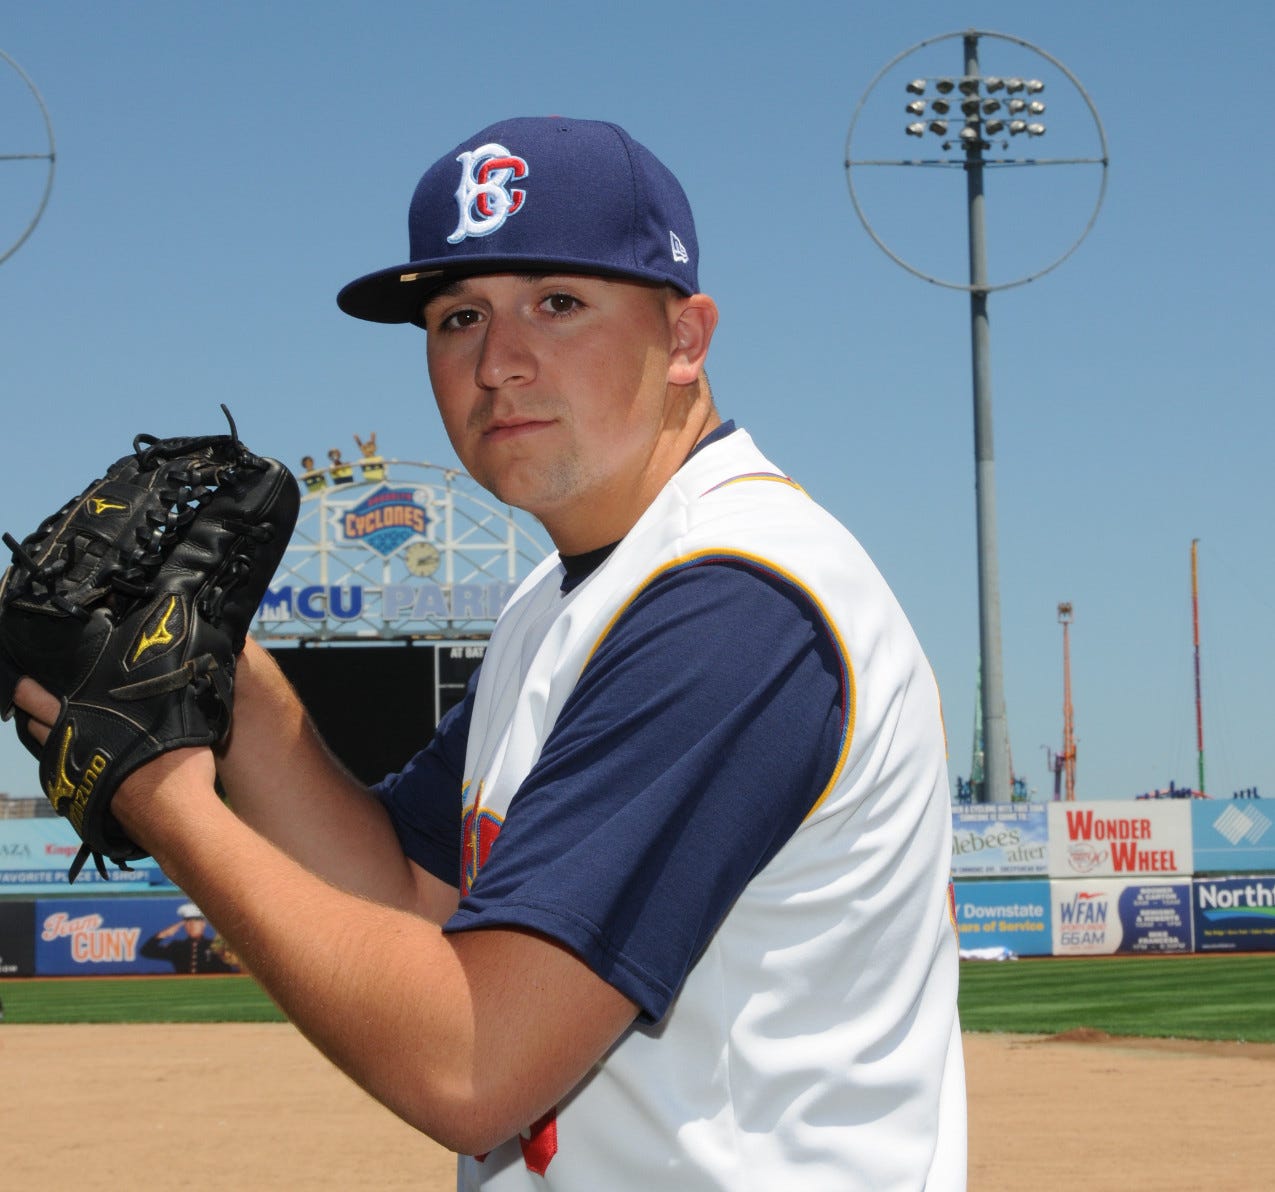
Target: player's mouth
<point>502,430</point>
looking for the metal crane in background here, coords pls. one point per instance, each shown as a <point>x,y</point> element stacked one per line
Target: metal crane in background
<point>1063,763</point>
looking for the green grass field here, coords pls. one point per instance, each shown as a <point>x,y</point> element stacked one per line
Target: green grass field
<point>1180,997</point>
<point>136,999</point>
<point>1184,997</point>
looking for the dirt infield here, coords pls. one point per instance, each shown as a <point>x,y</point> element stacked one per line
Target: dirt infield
<point>209,1108</point>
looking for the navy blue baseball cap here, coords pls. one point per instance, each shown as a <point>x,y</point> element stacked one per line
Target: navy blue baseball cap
<point>534,194</point>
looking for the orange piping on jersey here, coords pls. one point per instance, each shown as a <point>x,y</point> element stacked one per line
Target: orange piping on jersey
<point>788,480</point>
<point>757,561</point>
<point>942,722</point>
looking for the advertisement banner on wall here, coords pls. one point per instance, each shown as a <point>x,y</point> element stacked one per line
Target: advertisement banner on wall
<point>1130,839</point>
<point>999,840</point>
<point>1094,918</point>
<point>1235,914</point>
<point>1232,837</point>
<point>17,939</point>
<point>104,937</point>
<point>1013,915</point>
<point>35,855</point>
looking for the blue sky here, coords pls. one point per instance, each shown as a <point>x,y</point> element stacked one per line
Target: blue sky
<point>222,169</point>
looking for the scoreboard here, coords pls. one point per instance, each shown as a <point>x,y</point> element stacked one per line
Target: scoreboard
<point>377,704</point>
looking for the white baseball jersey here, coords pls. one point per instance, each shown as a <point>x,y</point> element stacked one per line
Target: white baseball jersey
<point>814,1044</point>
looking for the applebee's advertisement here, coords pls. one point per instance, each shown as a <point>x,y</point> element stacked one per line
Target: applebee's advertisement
<point>1092,840</point>
<point>999,840</point>
<point>1094,918</point>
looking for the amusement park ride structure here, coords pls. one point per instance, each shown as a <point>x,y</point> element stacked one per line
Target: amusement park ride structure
<point>395,550</point>
<point>388,592</point>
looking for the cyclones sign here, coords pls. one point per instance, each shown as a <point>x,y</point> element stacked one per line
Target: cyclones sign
<point>1114,840</point>
<point>384,520</point>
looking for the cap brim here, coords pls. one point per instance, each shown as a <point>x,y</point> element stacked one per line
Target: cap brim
<point>394,295</point>
<point>399,294</point>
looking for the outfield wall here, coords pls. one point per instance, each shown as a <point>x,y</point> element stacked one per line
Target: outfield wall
<point>108,936</point>
<point>1037,879</point>
<point>1097,878</point>
<point>1137,838</point>
<point>35,855</point>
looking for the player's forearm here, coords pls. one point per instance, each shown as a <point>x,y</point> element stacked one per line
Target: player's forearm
<point>280,778</point>
<point>467,1038</point>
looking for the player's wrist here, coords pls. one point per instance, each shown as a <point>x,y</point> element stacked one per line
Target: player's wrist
<point>161,798</point>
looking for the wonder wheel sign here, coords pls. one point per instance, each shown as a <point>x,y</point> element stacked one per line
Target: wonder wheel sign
<point>395,549</point>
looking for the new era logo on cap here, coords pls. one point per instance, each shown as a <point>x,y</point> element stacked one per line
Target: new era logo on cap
<point>534,194</point>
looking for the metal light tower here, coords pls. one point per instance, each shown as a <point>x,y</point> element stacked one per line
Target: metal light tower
<point>1195,625</point>
<point>38,154</point>
<point>971,115</point>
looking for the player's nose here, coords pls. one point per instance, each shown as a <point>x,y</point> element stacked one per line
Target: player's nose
<point>507,357</point>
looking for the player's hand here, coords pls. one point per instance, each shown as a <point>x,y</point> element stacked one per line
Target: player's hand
<point>39,705</point>
<point>141,802</point>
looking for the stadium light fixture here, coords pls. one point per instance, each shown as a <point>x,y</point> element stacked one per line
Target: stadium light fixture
<point>991,106</point>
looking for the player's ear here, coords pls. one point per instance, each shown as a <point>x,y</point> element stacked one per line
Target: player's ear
<point>693,321</point>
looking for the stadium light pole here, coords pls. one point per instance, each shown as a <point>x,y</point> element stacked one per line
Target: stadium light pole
<point>974,101</point>
<point>997,777</point>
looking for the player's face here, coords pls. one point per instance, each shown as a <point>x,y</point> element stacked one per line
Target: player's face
<point>555,393</point>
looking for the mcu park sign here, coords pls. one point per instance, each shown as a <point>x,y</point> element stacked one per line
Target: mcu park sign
<point>393,549</point>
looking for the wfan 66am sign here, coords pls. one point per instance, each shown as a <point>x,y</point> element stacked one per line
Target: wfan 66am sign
<point>393,549</point>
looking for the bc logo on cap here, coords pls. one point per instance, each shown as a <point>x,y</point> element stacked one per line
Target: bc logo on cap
<point>484,196</point>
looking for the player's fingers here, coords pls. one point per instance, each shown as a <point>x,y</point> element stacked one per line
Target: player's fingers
<point>39,705</point>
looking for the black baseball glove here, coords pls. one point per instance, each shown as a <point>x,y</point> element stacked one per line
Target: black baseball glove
<point>131,604</point>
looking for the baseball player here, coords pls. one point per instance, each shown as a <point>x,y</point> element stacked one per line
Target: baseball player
<point>663,903</point>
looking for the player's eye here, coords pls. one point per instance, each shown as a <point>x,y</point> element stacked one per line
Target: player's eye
<point>561,303</point>
<point>458,320</point>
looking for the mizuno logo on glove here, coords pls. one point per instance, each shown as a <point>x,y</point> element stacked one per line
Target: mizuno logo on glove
<point>68,796</point>
<point>164,632</point>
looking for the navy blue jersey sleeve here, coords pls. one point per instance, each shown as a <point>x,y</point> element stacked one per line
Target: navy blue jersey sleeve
<point>424,798</point>
<point>702,731</point>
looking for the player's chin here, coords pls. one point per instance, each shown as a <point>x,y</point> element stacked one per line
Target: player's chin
<point>537,482</point>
